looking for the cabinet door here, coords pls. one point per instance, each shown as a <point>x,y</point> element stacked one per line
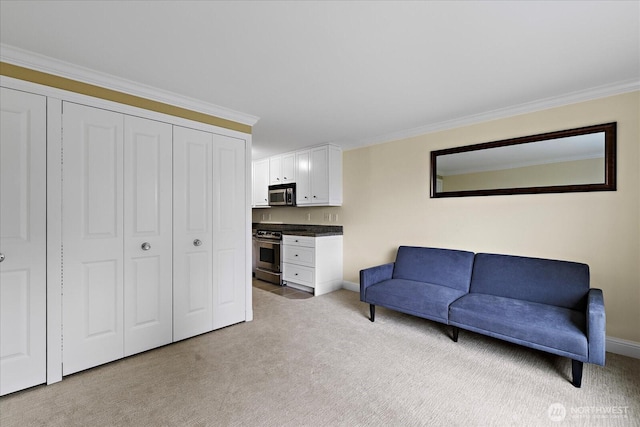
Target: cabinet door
<point>22,240</point>
<point>229,228</point>
<point>192,232</point>
<point>92,237</point>
<point>319,175</point>
<point>147,235</point>
<point>303,195</point>
<point>289,168</point>
<point>261,183</point>
<point>275,170</point>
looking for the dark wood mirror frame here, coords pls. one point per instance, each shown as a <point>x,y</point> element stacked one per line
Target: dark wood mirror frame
<point>609,184</point>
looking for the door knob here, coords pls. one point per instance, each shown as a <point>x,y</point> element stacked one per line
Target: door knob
<point>145,246</point>
<point>197,242</point>
<point>1,257</point>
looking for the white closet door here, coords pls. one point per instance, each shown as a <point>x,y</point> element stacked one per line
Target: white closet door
<point>92,237</point>
<point>147,235</point>
<point>22,240</point>
<point>229,228</point>
<point>192,232</point>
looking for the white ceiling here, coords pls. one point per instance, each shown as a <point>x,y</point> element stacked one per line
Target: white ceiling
<point>351,73</point>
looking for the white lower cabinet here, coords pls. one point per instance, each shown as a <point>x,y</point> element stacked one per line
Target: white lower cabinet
<point>23,289</point>
<point>313,264</point>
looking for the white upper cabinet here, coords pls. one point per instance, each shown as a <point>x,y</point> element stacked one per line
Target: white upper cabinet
<point>23,199</point>
<point>288,168</point>
<point>260,183</point>
<point>319,176</point>
<point>282,169</point>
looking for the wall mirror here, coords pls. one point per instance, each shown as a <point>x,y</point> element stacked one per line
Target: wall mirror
<point>582,159</point>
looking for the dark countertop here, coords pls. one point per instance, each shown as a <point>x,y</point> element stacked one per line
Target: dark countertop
<point>302,229</point>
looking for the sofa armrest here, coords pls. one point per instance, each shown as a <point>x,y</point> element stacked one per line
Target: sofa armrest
<point>596,326</point>
<point>371,276</point>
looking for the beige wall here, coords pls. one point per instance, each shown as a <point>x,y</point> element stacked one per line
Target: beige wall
<point>387,204</point>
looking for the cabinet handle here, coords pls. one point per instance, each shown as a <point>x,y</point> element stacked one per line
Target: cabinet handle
<point>145,246</point>
<point>1,257</point>
<point>197,242</point>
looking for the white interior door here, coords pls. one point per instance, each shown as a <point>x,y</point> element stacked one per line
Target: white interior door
<point>22,240</point>
<point>193,237</point>
<point>147,235</point>
<point>229,229</point>
<point>92,237</point>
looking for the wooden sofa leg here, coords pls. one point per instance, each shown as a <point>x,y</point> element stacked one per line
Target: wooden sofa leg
<point>576,371</point>
<point>455,333</point>
<point>372,312</point>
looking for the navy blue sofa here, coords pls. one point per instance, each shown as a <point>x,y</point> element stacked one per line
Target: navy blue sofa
<point>539,303</point>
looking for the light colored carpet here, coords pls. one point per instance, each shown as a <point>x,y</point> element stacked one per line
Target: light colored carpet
<point>320,362</point>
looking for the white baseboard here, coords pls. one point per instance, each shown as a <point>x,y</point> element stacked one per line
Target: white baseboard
<point>351,286</point>
<point>623,347</point>
<point>613,345</point>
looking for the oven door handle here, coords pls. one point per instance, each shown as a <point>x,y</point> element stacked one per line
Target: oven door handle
<point>271,242</point>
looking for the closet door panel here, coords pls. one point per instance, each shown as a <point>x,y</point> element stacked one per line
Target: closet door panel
<point>148,234</point>
<point>92,237</point>
<point>193,236</point>
<point>229,230</point>
<point>22,240</point>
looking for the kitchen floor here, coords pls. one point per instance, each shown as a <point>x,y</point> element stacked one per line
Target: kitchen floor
<point>284,291</point>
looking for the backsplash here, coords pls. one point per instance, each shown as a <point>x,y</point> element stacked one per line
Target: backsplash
<point>290,215</point>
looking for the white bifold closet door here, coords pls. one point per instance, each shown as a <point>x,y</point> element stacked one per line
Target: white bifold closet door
<point>116,234</point>
<point>209,232</point>
<point>229,229</point>
<point>192,232</point>
<point>22,240</point>
<point>148,235</point>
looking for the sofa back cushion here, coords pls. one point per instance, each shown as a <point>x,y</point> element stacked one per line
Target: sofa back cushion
<point>446,267</point>
<point>545,281</point>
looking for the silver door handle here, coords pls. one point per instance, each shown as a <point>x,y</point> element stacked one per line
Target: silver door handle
<point>145,246</point>
<point>1,257</point>
<point>197,242</point>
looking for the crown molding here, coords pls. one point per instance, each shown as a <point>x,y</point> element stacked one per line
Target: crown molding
<point>45,64</point>
<point>612,89</point>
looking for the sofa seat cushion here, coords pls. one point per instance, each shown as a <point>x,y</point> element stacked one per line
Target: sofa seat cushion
<point>412,297</point>
<point>550,328</point>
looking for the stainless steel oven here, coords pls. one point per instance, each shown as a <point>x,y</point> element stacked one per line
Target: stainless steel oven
<point>268,252</point>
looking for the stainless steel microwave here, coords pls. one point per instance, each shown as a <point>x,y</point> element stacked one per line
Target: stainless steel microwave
<point>282,195</point>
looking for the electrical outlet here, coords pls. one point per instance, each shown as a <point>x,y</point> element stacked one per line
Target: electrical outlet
<point>308,217</point>
<point>327,217</point>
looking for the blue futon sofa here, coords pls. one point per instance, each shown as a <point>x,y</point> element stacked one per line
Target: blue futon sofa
<point>539,303</point>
